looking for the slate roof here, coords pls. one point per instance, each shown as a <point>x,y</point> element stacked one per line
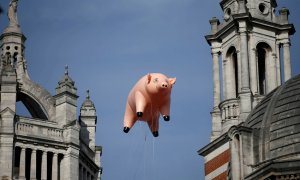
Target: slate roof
<point>278,118</point>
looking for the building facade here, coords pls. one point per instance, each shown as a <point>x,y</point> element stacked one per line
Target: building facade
<point>256,102</point>
<point>53,143</point>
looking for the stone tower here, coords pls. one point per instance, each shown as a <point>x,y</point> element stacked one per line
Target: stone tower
<point>88,121</point>
<point>52,143</point>
<point>249,45</point>
<point>254,134</point>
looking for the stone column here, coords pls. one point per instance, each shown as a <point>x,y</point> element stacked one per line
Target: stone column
<point>235,159</point>
<point>216,114</point>
<point>22,164</point>
<point>84,174</point>
<point>216,79</point>
<point>244,60</point>
<point>44,166</point>
<point>252,63</point>
<point>245,95</point>
<point>225,78</point>
<point>88,176</point>
<point>80,172</point>
<point>55,167</point>
<point>272,73</point>
<point>239,66</point>
<point>287,61</point>
<point>253,72</point>
<point>278,64</point>
<point>33,165</point>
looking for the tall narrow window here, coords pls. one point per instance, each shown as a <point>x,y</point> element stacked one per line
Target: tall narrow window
<point>235,65</point>
<point>261,55</point>
<point>266,72</point>
<point>232,73</point>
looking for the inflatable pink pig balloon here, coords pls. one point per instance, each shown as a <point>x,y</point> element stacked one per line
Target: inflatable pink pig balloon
<point>149,98</point>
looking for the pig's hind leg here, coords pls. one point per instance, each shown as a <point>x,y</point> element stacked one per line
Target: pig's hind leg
<point>165,110</point>
<point>153,124</point>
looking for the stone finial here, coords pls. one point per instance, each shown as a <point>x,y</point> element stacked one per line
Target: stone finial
<point>214,22</point>
<point>284,13</point>
<point>87,94</point>
<point>66,70</point>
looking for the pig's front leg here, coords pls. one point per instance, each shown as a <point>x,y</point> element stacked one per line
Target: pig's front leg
<point>129,118</point>
<point>140,103</point>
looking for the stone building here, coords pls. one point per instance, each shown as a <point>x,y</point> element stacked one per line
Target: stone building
<point>53,143</point>
<point>256,113</point>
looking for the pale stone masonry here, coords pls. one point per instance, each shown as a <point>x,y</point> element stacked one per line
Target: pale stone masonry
<point>247,47</point>
<point>53,143</point>
<point>256,109</point>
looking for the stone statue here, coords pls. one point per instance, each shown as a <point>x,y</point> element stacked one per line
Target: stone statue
<point>12,12</point>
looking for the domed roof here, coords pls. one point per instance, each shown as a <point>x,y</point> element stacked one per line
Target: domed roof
<point>278,118</point>
<point>66,79</point>
<point>88,103</point>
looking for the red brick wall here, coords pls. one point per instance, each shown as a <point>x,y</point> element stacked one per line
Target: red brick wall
<point>217,162</point>
<point>222,176</point>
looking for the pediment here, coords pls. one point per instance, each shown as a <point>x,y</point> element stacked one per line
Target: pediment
<point>7,112</point>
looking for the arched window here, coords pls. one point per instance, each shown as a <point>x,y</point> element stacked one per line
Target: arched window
<point>263,55</point>
<point>232,72</point>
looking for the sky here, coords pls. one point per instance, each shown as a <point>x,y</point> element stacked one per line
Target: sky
<point>108,45</point>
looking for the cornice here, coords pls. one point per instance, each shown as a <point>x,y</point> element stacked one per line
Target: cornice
<point>213,145</point>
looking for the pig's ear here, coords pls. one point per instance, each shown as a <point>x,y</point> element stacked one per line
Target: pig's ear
<point>172,81</point>
<point>149,78</point>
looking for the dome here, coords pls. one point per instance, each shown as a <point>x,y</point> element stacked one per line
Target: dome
<point>88,103</point>
<point>277,117</point>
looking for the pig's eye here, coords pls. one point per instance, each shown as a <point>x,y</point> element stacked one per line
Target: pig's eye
<point>155,80</point>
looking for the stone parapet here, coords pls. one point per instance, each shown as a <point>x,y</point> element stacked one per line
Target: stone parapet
<point>39,129</point>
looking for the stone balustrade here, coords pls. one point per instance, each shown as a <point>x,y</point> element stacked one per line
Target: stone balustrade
<point>230,112</point>
<point>230,109</point>
<point>38,128</point>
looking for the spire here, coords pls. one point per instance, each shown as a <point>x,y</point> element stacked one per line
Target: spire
<point>88,121</point>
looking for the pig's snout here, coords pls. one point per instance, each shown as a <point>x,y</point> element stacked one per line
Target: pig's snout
<point>164,85</point>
